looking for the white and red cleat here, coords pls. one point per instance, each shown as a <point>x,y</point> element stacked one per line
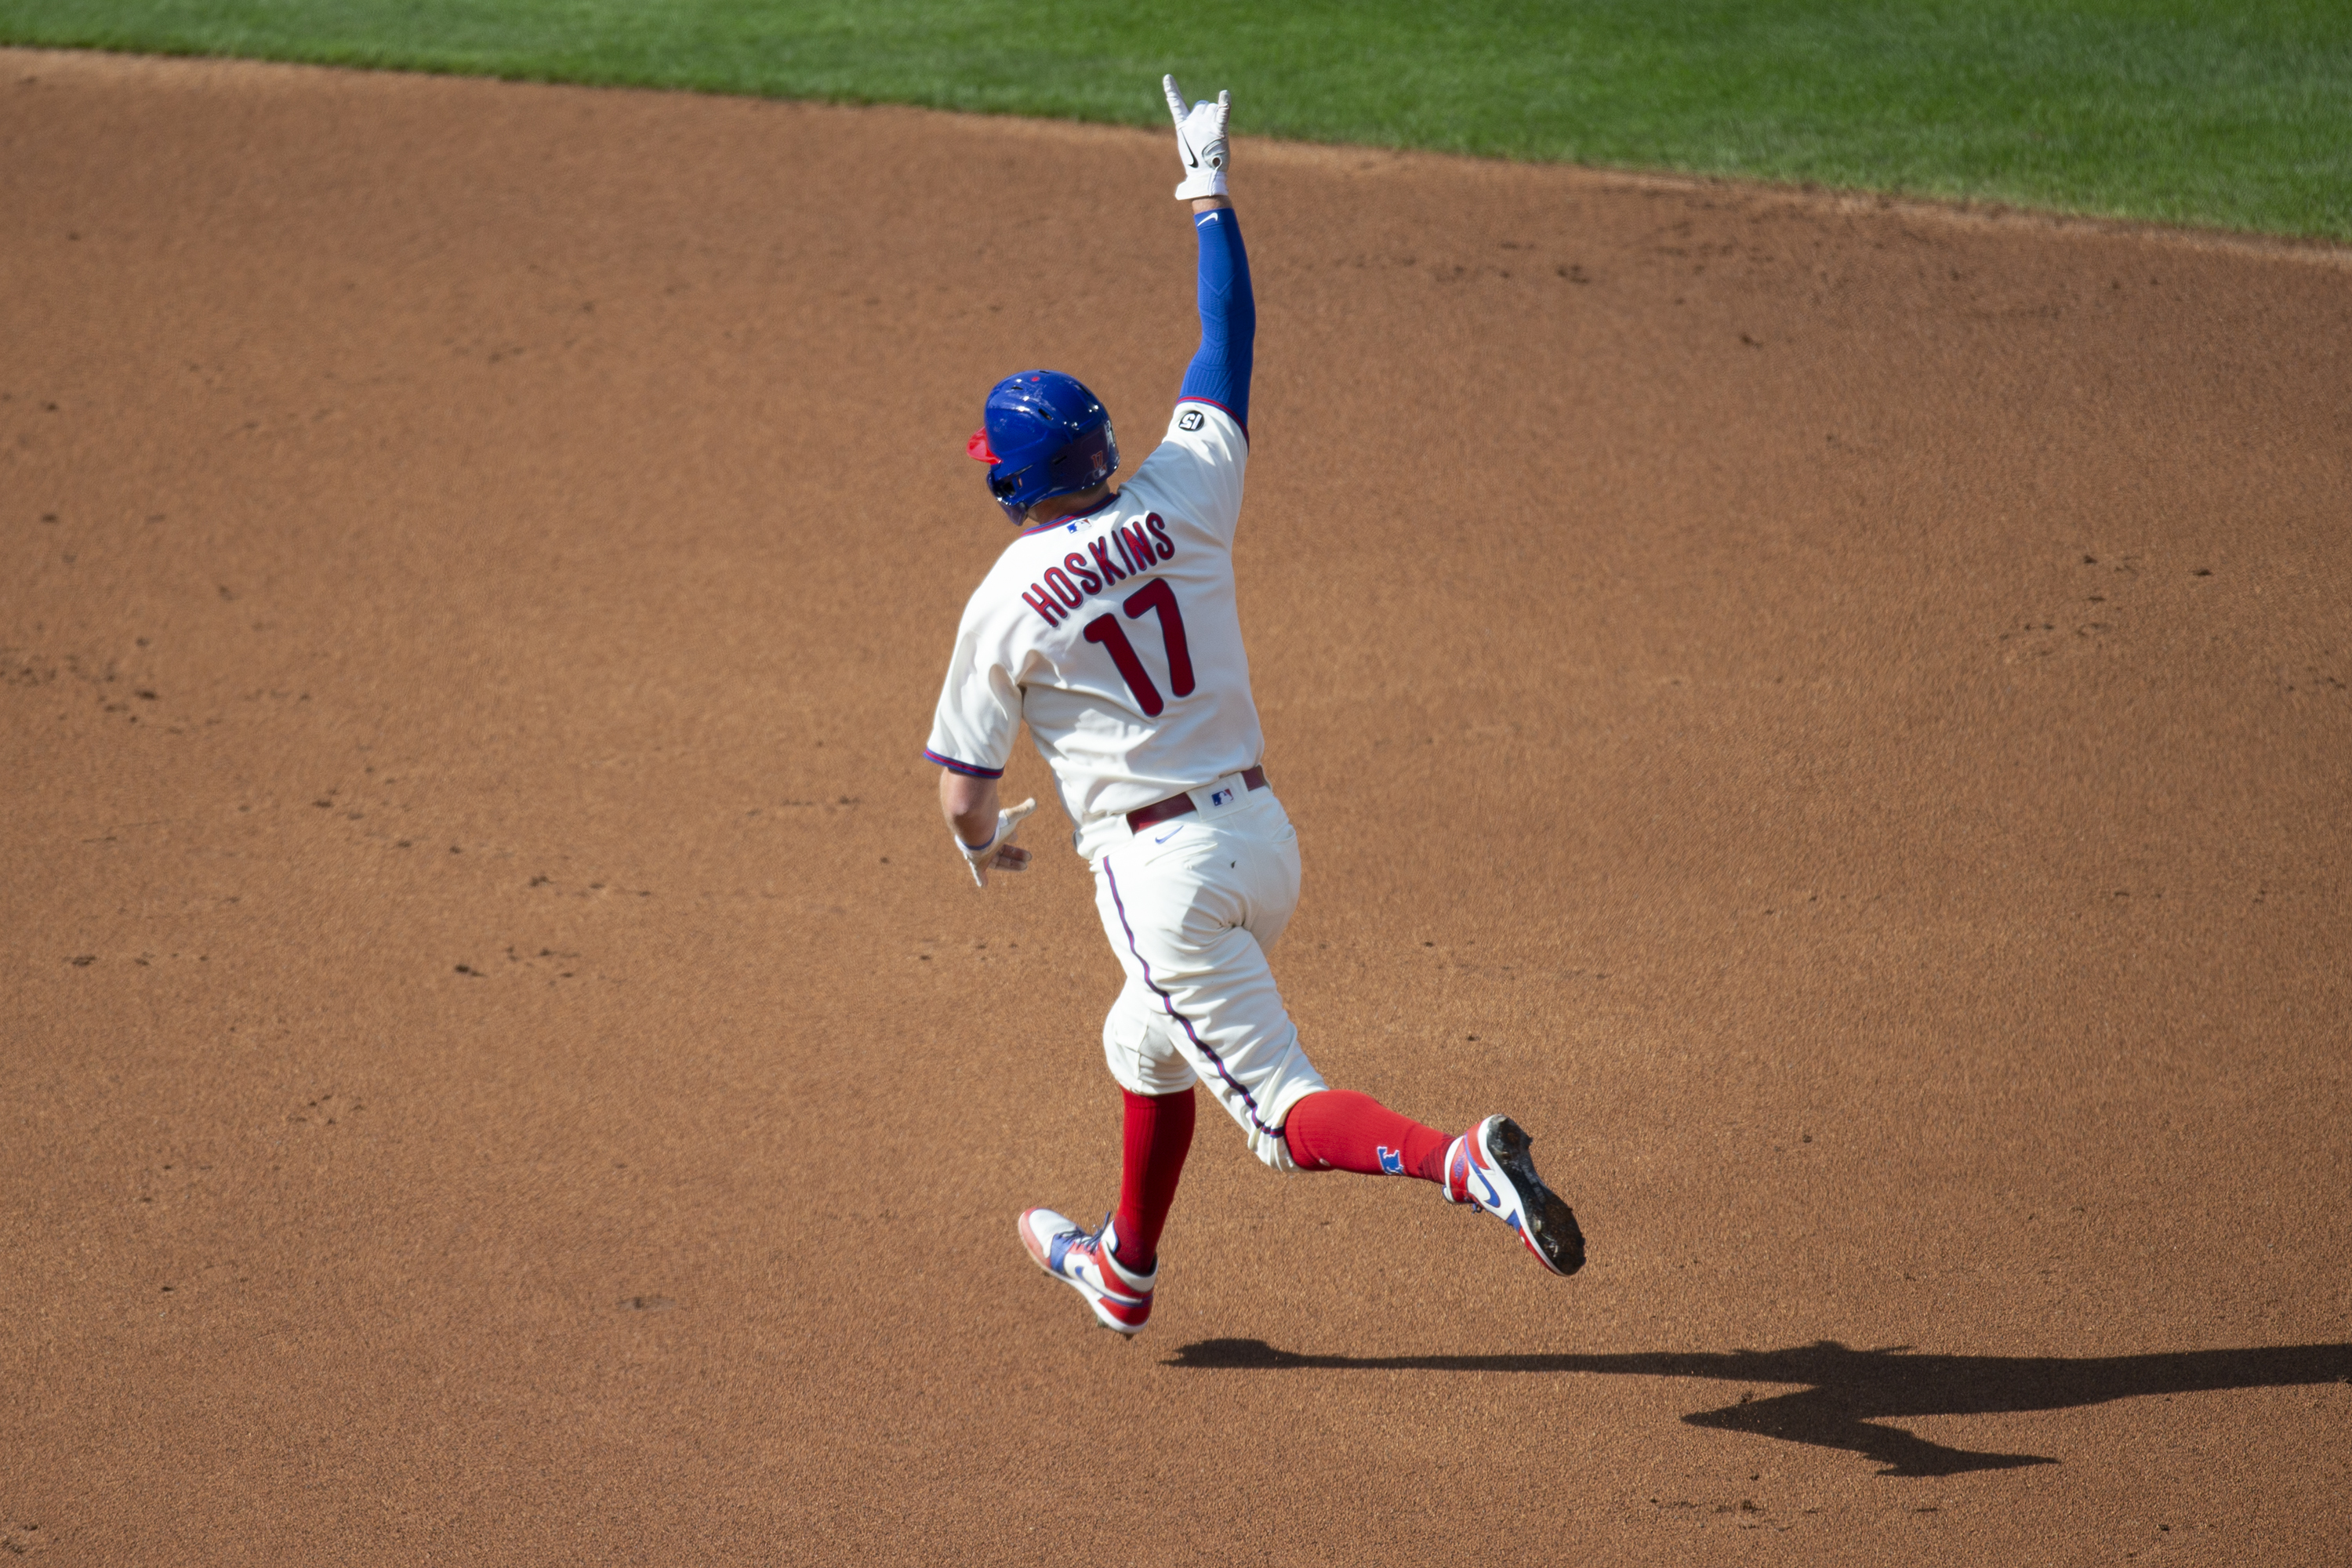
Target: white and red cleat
<point>1488,1166</point>
<point>1082,1260</point>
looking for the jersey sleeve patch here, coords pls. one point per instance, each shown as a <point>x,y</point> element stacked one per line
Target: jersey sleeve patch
<point>1190,419</point>
<point>969,770</point>
<point>1196,473</point>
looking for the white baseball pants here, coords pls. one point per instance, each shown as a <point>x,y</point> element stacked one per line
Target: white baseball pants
<point>1192,907</point>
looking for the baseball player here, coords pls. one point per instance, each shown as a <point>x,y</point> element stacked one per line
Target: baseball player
<point>1108,626</point>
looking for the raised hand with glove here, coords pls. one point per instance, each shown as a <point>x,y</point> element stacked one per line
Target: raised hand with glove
<point>1200,140</point>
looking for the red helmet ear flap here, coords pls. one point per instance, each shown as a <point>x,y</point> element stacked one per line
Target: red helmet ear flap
<point>977,447</point>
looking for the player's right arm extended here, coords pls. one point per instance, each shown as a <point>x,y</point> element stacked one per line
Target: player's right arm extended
<point>1220,372</point>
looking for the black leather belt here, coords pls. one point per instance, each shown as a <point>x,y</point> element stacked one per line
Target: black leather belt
<point>1176,805</point>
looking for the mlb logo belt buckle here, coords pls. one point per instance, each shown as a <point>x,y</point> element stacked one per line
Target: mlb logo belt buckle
<point>1227,791</point>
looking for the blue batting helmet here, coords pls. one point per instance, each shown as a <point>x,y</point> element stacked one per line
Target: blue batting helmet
<point>1043,435</point>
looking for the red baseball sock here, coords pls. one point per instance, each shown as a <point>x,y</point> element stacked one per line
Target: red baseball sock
<point>1339,1129</point>
<point>1159,1134</point>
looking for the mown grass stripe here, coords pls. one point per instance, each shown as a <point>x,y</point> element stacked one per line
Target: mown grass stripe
<point>2236,116</point>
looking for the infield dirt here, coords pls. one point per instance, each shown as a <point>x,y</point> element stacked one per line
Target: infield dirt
<point>1834,715</point>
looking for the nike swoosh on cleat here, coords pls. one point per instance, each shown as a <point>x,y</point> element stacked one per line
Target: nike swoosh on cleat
<point>1494,1198</point>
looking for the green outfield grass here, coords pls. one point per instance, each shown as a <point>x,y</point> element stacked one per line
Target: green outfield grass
<point>2235,113</point>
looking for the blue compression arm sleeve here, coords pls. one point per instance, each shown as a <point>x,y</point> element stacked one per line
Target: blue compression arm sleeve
<point>1220,370</point>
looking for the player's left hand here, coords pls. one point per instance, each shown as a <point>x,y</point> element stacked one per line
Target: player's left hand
<point>1000,853</point>
<point>1201,139</point>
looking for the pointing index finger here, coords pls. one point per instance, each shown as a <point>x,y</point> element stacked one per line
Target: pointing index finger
<point>1175,99</point>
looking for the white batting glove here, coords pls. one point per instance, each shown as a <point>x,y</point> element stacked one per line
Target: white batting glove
<point>1000,853</point>
<point>1200,138</point>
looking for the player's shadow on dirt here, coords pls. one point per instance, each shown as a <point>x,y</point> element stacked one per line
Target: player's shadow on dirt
<point>1850,1391</point>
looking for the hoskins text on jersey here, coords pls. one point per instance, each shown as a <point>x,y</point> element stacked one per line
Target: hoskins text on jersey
<point>1128,550</point>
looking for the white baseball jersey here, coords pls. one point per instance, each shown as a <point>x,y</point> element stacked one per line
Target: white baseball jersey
<point>1116,637</point>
